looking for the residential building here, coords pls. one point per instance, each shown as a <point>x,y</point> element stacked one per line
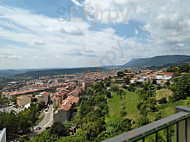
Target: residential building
<point>44,97</point>
<point>65,112</point>
<point>163,77</point>
<point>23,100</point>
<point>3,135</point>
<point>129,75</point>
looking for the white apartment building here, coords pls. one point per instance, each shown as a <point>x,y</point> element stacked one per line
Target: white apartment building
<point>3,135</point>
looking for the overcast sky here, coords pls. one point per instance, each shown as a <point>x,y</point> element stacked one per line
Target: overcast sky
<point>86,33</point>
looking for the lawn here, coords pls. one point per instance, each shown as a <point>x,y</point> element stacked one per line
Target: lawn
<point>132,100</point>
<point>114,105</point>
<point>163,93</point>
<point>168,109</point>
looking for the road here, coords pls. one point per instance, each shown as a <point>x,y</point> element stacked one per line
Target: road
<point>47,121</point>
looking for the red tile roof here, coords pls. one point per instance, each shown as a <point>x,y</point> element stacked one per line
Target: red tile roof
<point>68,102</point>
<point>45,93</point>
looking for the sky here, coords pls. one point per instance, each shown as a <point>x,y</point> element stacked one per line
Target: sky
<point>90,33</point>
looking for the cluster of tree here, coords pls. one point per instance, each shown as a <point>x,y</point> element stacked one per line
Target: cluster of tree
<point>181,87</point>
<point>107,82</point>
<point>20,123</point>
<point>148,95</point>
<point>4,100</point>
<point>115,128</point>
<point>179,69</point>
<point>148,105</point>
<point>120,74</point>
<point>122,95</point>
<point>89,122</point>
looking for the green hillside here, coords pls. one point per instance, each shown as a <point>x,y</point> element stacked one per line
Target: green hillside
<point>158,61</point>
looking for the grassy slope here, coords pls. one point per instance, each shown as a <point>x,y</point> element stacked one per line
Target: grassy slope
<point>132,100</point>
<point>169,108</point>
<point>163,93</point>
<point>114,105</point>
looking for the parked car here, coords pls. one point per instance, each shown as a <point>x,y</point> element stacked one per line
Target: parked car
<point>13,111</point>
<point>38,128</point>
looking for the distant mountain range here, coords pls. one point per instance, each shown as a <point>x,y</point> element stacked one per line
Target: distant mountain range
<point>158,61</point>
<point>13,72</point>
<point>151,63</point>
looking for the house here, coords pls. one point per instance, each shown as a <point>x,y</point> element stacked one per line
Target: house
<point>23,100</point>
<point>65,112</point>
<point>10,95</point>
<point>133,80</point>
<point>129,75</point>
<point>3,135</point>
<point>163,77</point>
<point>87,83</point>
<point>59,96</point>
<point>44,97</point>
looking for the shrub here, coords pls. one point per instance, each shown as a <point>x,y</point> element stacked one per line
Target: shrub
<point>24,138</point>
<point>142,121</point>
<point>162,101</point>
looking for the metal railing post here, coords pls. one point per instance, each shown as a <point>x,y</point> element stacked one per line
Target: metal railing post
<point>177,132</point>
<point>186,130</point>
<point>167,134</point>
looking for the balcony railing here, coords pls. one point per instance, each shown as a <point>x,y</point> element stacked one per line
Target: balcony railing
<point>181,121</point>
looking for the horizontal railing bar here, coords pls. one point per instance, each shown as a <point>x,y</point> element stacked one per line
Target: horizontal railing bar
<point>149,129</point>
<point>157,129</point>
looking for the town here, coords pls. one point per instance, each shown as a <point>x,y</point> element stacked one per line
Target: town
<point>62,104</point>
<point>61,93</point>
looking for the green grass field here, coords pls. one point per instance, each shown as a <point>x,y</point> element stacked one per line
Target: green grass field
<point>163,93</point>
<point>132,100</point>
<point>114,105</point>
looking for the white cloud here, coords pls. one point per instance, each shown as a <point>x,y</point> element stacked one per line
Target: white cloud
<point>77,2</point>
<point>38,42</point>
<point>10,56</point>
<point>59,57</point>
<point>167,22</point>
<point>180,44</point>
<point>58,39</point>
<point>136,32</point>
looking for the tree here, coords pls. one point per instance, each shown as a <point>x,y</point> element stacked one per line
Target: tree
<point>108,94</point>
<point>107,82</point>
<point>127,80</point>
<point>4,100</point>
<point>182,87</point>
<point>162,101</point>
<point>24,138</point>
<point>120,74</point>
<point>167,83</point>
<point>131,88</point>
<point>14,99</point>
<point>123,112</point>
<point>114,88</point>
<point>59,129</point>
<point>142,121</point>
<point>154,81</point>
<point>185,68</point>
